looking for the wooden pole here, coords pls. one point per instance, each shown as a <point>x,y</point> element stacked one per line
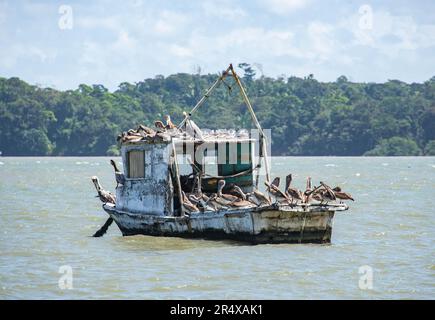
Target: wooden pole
<point>263,142</point>
<point>177,178</point>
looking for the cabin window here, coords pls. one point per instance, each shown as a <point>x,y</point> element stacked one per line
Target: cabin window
<point>136,164</point>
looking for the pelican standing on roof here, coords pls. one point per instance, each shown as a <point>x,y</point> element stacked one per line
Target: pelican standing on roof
<point>169,124</point>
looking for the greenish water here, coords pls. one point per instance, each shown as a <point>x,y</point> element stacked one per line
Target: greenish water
<point>48,212</point>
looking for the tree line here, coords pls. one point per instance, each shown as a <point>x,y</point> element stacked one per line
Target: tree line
<point>306,117</point>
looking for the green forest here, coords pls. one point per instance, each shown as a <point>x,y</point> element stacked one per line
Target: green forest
<point>307,117</point>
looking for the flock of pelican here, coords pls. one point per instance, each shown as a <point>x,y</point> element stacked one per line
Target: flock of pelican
<point>197,201</point>
<point>236,198</point>
<point>163,131</point>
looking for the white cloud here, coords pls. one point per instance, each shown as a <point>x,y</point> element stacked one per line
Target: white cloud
<point>391,34</point>
<point>284,6</point>
<point>93,22</point>
<point>223,10</point>
<point>24,52</point>
<point>180,51</point>
<point>170,22</point>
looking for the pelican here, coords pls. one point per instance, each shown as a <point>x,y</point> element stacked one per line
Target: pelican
<point>236,189</point>
<point>294,193</point>
<point>216,203</point>
<point>308,191</point>
<point>342,195</point>
<point>274,191</point>
<point>328,194</point>
<point>192,129</point>
<point>200,203</point>
<point>105,196</point>
<point>260,197</point>
<point>242,201</point>
<point>119,176</point>
<point>227,197</point>
<point>169,124</point>
<point>158,124</point>
<point>187,204</point>
<point>317,195</point>
<point>276,182</point>
<point>146,130</point>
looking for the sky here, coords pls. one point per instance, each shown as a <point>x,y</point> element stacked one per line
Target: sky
<point>62,44</point>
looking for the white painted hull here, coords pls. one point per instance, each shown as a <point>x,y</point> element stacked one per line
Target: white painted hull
<point>272,224</point>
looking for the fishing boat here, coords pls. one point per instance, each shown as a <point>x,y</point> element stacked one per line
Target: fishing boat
<point>176,181</point>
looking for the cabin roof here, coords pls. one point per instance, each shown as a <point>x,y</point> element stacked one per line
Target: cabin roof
<point>182,136</point>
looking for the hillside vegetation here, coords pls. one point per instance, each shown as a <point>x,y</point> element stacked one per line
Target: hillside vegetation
<point>307,117</point>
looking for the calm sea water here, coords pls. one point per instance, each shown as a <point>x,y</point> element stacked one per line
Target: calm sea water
<point>48,213</point>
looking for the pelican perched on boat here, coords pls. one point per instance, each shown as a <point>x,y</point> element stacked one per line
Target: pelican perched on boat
<point>260,197</point>
<point>239,192</point>
<point>147,131</point>
<point>189,206</point>
<point>191,128</point>
<point>308,191</point>
<point>276,182</point>
<point>105,196</point>
<point>169,124</point>
<point>242,201</point>
<point>274,190</point>
<point>119,176</point>
<point>342,195</point>
<point>328,194</point>
<point>158,124</point>
<point>200,202</point>
<point>317,192</point>
<point>227,197</point>
<point>216,203</point>
<point>294,193</point>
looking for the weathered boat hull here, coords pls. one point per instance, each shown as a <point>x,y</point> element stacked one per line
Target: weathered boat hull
<point>256,225</point>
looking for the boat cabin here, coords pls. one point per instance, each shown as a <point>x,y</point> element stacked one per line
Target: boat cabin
<point>158,171</point>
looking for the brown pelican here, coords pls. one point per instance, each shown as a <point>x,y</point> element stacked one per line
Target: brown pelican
<point>105,196</point>
<point>242,201</point>
<point>169,124</point>
<point>294,193</point>
<point>328,194</point>
<point>260,197</point>
<point>239,192</point>
<point>274,191</point>
<point>145,131</point>
<point>317,195</point>
<point>158,124</point>
<point>187,204</point>
<point>227,197</point>
<point>216,203</point>
<point>342,195</point>
<point>308,191</point>
<point>119,176</point>
<point>200,203</point>
<point>276,182</point>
